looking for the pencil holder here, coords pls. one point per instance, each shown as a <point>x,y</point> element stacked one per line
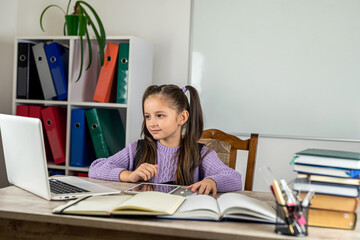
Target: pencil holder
<point>291,220</point>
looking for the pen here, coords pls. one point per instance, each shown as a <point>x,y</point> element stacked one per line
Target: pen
<point>308,198</point>
<point>281,201</point>
<point>291,201</point>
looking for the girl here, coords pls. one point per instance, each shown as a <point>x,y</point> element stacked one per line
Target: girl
<point>170,152</point>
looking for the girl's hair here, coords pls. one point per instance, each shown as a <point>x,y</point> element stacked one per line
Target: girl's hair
<point>189,156</point>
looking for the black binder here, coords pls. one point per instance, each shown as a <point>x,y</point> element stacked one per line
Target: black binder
<point>28,83</point>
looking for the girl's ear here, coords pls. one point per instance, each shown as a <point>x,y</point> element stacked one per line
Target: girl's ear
<point>183,117</point>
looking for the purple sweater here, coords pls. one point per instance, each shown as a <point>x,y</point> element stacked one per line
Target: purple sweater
<point>212,167</point>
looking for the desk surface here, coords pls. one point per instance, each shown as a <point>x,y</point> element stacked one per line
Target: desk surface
<point>18,207</point>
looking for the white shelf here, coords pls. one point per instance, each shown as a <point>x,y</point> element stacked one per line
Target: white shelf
<point>80,93</point>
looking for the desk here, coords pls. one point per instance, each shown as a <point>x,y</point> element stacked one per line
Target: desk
<point>26,216</point>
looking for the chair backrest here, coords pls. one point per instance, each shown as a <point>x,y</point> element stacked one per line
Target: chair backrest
<point>226,146</point>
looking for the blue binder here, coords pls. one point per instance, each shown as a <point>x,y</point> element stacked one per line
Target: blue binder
<point>81,149</point>
<point>58,60</point>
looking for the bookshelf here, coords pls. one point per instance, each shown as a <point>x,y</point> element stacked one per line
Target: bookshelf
<point>80,93</point>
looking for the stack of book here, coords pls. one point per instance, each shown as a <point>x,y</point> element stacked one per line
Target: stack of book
<point>334,177</point>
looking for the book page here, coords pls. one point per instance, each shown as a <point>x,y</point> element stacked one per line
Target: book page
<point>94,205</point>
<point>197,202</point>
<point>233,204</point>
<point>155,202</point>
<point>198,207</point>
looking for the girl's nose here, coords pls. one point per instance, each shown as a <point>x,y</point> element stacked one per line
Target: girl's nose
<point>153,123</point>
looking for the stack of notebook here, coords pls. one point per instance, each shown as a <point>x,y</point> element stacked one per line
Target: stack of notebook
<point>334,177</point>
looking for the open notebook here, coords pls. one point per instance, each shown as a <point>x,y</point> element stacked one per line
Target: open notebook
<point>26,166</point>
<point>234,206</point>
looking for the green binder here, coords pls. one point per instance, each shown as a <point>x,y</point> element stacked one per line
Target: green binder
<point>123,73</point>
<point>106,130</point>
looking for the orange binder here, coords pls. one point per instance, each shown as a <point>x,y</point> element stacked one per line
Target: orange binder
<point>54,121</point>
<point>105,92</point>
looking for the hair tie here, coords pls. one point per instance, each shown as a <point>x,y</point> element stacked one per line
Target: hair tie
<point>184,89</point>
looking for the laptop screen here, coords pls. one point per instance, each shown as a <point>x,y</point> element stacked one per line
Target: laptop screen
<point>24,153</point>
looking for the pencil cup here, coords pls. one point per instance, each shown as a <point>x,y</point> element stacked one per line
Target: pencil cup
<point>291,220</point>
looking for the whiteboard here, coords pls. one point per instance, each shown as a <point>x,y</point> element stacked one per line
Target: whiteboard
<point>278,67</point>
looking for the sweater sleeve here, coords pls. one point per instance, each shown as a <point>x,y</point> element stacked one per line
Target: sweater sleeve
<point>226,178</point>
<point>110,168</point>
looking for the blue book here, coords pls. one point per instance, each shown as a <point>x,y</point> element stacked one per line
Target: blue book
<point>327,171</point>
<point>58,60</point>
<point>81,150</point>
<point>327,188</point>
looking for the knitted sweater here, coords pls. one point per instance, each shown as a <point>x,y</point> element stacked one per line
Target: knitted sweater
<point>212,167</point>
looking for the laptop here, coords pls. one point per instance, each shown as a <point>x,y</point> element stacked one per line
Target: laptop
<point>26,165</point>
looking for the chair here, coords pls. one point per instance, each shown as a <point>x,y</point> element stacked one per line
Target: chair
<point>226,146</point>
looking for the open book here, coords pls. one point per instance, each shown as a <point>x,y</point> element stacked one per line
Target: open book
<point>144,203</point>
<point>227,206</point>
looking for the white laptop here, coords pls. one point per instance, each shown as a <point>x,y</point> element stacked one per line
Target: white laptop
<point>26,165</point>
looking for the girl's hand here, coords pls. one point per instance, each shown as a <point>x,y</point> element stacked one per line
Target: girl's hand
<point>144,172</point>
<point>205,186</point>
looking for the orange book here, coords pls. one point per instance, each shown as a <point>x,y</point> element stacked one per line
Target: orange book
<point>332,202</point>
<point>332,219</point>
<point>105,92</point>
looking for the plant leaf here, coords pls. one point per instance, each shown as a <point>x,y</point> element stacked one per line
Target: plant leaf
<point>81,58</point>
<point>43,12</point>
<point>89,47</point>
<point>82,23</point>
<point>101,38</point>
<point>98,37</point>
<point>67,8</point>
<point>64,28</point>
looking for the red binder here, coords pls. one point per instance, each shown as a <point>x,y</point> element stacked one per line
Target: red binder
<point>105,91</point>
<point>35,112</point>
<point>22,110</point>
<point>54,120</point>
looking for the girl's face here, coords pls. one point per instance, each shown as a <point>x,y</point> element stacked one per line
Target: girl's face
<point>163,122</point>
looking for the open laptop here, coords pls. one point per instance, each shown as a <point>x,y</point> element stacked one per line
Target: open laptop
<point>26,165</point>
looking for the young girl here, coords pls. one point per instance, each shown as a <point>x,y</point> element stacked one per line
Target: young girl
<point>170,152</point>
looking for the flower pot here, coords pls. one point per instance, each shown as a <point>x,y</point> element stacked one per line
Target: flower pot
<point>72,25</point>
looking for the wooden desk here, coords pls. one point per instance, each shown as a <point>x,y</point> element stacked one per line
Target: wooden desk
<point>26,216</point>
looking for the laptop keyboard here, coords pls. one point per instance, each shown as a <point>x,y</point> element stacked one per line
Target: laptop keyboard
<point>59,187</point>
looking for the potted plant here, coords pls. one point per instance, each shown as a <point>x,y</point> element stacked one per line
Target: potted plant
<point>77,23</point>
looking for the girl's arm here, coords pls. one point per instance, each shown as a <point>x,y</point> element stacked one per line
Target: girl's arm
<point>226,178</point>
<point>111,167</point>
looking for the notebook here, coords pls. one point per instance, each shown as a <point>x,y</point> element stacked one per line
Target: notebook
<point>26,166</point>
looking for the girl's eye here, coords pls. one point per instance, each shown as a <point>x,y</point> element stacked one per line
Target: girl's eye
<point>160,115</point>
<point>147,116</point>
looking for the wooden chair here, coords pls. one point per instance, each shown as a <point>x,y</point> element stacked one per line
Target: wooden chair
<point>226,146</point>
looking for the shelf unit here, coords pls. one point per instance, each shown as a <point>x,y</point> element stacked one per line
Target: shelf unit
<point>80,93</point>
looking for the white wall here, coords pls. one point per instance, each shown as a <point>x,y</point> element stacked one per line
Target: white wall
<point>166,23</point>
<point>8,17</point>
